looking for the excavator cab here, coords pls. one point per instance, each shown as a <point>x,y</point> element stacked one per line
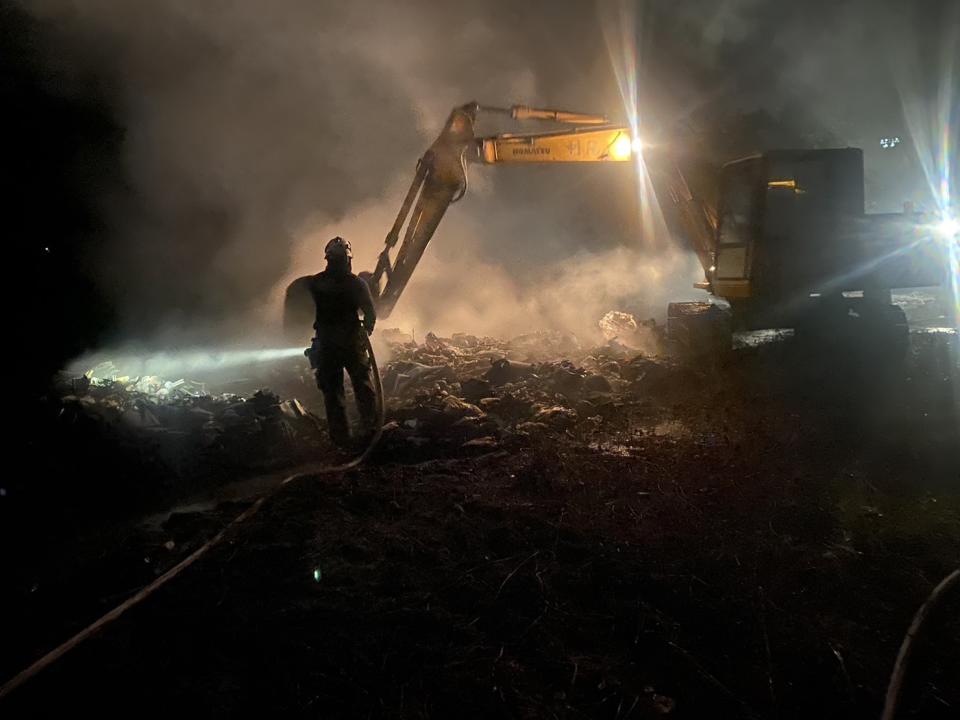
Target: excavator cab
<point>786,243</point>
<point>786,222</point>
<point>792,229</point>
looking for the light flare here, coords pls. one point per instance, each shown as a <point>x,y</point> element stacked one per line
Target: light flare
<point>619,25</point>
<point>948,228</point>
<point>933,128</point>
<point>175,363</point>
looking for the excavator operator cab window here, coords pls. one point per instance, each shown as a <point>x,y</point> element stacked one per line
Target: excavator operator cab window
<point>740,209</point>
<point>827,182</point>
<point>811,198</point>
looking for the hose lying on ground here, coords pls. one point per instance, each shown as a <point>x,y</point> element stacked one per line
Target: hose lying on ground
<point>906,649</point>
<point>380,413</point>
<point>58,652</point>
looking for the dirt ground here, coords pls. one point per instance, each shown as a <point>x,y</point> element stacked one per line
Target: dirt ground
<point>750,539</point>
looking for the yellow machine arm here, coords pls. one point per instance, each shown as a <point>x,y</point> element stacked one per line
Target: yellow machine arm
<point>687,190</point>
<point>605,144</point>
<point>441,178</point>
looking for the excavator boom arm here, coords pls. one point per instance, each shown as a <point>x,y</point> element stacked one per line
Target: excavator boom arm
<point>605,144</point>
<point>441,178</point>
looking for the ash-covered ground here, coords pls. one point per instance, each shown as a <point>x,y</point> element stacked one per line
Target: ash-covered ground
<point>545,530</point>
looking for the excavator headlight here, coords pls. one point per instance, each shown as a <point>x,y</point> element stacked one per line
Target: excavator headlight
<point>621,147</point>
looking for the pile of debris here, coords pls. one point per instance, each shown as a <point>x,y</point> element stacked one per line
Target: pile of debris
<point>101,440</point>
<point>179,421</point>
<point>458,394</point>
<point>482,393</point>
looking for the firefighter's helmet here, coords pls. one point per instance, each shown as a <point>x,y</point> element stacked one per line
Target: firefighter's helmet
<point>338,248</point>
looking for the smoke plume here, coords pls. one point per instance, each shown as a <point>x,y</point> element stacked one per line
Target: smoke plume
<point>253,132</point>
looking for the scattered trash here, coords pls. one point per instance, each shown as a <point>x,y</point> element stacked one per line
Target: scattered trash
<point>293,408</point>
<point>556,417</point>
<point>505,371</point>
<point>617,324</point>
<point>395,336</point>
<point>487,442</point>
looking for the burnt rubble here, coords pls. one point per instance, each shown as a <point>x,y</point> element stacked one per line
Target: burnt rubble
<point>133,442</point>
<point>468,392</point>
<point>172,411</point>
<point>442,395</point>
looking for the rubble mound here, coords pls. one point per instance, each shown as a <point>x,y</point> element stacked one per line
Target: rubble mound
<point>449,393</point>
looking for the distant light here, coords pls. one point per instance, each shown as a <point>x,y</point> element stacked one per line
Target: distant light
<point>46,249</point>
<point>713,268</point>
<point>317,575</point>
<point>889,142</point>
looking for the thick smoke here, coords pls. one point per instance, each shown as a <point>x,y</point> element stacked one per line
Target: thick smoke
<point>253,132</point>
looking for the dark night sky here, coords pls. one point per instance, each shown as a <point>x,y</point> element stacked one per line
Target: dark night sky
<point>174,156</point>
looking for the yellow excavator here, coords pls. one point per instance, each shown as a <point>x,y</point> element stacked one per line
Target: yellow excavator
<point>782,236</point>
<point>784,239</point>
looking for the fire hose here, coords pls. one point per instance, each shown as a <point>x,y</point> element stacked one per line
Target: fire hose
<point>58,652</point>
<point>371,444</point>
